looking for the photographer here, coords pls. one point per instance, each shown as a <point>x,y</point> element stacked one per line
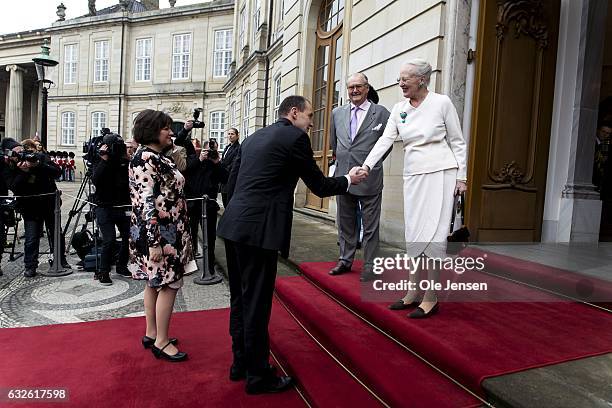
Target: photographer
<point>202,177</point>
<point>29,174</point>
<point>110,176</point>
<point>227,160</point>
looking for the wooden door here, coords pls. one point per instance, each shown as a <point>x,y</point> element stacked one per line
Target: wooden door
<point>327,75</point>
<point>512,118</point>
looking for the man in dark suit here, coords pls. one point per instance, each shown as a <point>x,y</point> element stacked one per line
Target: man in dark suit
<point>228,157</point>
<point>257,224</point>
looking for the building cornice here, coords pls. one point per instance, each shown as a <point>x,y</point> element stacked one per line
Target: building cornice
<point>24,38</point>
<point>212,94</point>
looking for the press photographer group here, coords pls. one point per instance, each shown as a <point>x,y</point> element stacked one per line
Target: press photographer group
<point>103,199</point>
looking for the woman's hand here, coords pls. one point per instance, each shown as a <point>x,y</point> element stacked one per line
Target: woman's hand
<point>156,253</point>
<point>460,187</point>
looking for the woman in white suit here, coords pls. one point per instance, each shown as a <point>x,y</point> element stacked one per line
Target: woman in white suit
<point>434,170</point>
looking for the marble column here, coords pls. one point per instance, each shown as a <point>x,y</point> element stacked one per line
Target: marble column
<point>580,207</point>
<point>14,114</point>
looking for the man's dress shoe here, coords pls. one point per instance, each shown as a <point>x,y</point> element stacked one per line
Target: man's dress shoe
<point>270,384</point>
<point>340,268</point>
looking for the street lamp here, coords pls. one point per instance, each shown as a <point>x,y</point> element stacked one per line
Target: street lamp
<point>42,61</point>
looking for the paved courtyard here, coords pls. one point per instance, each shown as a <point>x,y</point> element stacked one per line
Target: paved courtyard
<point>78,297</point>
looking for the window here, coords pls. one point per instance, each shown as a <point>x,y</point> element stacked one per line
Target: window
<point>101,54</point>
<point>181,52</point>
<point>331,15</point>
<point>217,127</point>
<point>143,59</point>
<point>278,26</point>
<point>223,53</point>
<point>277,95</point>
<point>256,18</point>
<point>242,28</point>
<point>246,108</point>
<point>232,112</point>
<point>70,63</point>
<point>98,121</point>
<point>68,128</point>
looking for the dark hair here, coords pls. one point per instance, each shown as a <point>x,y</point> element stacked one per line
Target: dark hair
<point>294,101</point>
<point>606,123</point>
<point>235,130</point>
<point>148,124</point>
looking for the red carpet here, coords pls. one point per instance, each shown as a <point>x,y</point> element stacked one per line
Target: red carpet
<point>323,381</point>
<point>472,341</point>
<point>398,377</point>
<point>103,364</point>
<point>566,282</point>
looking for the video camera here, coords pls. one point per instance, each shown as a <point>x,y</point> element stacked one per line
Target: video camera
<point>91,149</point>
<point>116,146</point>
<point>24,155</point>
<point>197,124</point>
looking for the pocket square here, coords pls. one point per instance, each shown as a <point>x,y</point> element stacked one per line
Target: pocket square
<point>377,127</point>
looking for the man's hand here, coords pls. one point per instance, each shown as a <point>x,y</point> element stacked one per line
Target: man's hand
<point>188,125</point>
<point>104,152</point>
<point>156,253</point>
<point>204,155</point>
<point>357,175</point>
<point>460,187</point>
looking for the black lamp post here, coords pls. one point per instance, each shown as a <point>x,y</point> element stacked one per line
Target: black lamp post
<point>42,61</point>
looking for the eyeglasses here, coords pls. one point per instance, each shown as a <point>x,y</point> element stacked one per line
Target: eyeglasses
<point>359,86</point>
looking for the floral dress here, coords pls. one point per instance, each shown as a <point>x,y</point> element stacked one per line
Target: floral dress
<point>159,217</point>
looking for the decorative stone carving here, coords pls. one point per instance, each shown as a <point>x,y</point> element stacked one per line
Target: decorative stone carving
<point>525,16</point>
<point>61,12</point>
<point>177,108</point>
<point>509,174</point>
<point>172,2</point>
<point>92,7</point>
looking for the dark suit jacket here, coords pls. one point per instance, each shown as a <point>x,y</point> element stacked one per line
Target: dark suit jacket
<point>262,182</point>
<point>227,161</point>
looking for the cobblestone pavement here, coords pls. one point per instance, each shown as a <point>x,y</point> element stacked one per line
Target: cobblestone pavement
<point>78,297</point>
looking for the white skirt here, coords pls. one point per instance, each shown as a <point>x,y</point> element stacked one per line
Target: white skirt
<point>428,207</point>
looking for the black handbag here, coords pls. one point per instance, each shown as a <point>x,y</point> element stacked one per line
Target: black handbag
<point>457,240</point>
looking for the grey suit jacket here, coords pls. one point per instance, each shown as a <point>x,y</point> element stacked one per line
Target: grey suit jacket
<point>350,154</point>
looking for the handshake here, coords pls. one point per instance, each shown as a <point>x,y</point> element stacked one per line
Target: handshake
<point>358,174</point>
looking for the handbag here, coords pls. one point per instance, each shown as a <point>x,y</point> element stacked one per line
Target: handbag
<point>457,240</point>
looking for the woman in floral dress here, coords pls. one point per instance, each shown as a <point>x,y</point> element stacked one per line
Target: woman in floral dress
<point>160,242</point>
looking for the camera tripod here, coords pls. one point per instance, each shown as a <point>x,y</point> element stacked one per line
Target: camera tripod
<point>77,210</point>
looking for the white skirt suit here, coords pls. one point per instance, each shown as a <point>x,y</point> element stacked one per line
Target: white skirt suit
<point>434,158</point>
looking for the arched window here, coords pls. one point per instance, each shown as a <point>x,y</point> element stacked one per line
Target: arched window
<point>327,75</point>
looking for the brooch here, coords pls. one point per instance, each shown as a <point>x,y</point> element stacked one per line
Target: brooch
<point>403,116</point>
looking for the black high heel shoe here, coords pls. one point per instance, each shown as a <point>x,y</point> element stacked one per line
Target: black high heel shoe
<point>400,305</point>
<point>419,313</point>
<point>148,342</point>
<point>159,353</point>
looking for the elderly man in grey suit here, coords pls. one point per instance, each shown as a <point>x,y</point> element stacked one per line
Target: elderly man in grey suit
<point>355,128</point>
